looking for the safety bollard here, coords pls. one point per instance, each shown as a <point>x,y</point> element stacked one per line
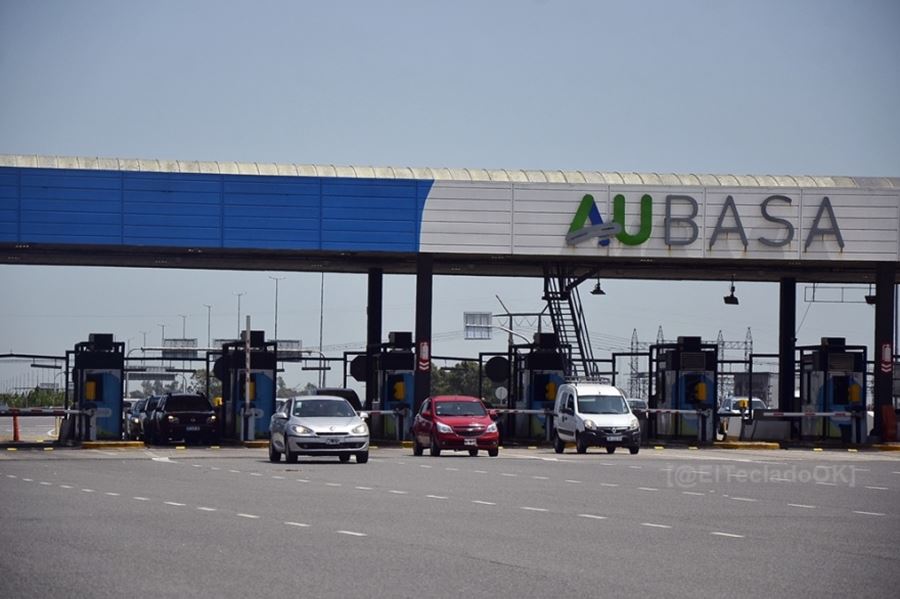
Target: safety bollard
<point>15,428</point>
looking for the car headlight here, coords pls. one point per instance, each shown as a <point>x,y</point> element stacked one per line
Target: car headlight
<point>443,428</point>
<point>362,429</point>
<point>634,424</point>
<point>135,420</point>
<point>589,424</point>
<point>299,429</point>
<point>211,419</point>
<point>491,428</point>
<point>172,419</point>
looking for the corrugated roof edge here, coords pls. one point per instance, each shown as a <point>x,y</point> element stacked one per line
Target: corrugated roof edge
<point>446,174</point>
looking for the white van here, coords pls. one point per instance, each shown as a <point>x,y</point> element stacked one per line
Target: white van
<point>593,414</point>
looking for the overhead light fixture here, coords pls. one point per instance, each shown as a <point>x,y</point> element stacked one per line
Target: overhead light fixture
<point>871,298</point>
<point>731,299</point>
<point>597,290</point>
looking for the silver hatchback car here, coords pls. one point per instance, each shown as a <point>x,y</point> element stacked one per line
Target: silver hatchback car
<point>323,425</point>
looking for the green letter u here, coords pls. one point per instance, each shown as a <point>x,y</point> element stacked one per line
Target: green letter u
<point>646,220</point>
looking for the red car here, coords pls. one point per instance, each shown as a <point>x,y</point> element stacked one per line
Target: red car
<point>456,422</point>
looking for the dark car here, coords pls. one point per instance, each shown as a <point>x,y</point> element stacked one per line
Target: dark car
<point>188,416</point>
<point>147,425</point>
<point>132,428</point>
<point>457,423</point>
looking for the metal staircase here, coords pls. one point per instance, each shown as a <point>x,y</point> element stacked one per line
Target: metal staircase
<point>564,303</point>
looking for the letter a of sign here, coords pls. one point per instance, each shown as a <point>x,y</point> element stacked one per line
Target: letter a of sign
<point>578,232</point>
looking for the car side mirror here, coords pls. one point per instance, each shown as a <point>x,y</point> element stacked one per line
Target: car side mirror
<point>494,414</point>
<point>364,415</point>
<point>281,415</point>
<point>426,415</point>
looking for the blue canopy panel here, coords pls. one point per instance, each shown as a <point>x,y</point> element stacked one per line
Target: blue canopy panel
<point>193,210</point>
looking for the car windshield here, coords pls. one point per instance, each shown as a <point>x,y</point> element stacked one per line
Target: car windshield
<point>602,404</point>
<point>187,403</point>
<point>459,408</point>
<point>324,408</point>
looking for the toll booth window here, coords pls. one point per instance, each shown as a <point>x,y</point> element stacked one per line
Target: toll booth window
<point>327,408</point>
<point>187,403</point>
<point>459,408</point>
<point>602,404</point>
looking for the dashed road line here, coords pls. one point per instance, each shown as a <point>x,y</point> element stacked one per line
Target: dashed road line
<point>141,498</point>
<point>452,469</point>
<point>480,471</point>
<point>175,503</point>
<point>435,497</point>
<point>878,488</point>
<point>533,509</point>
<point>480,502</point>
<point>278,477</point>
<point>748,499</point>
<point>694,493</point>
<point>297,524</point>
<point>652,525</point>
<point>28,480</point>
<point>727,534</point>
<point>65,486</point>
<point>592,516</point>
<point>250,516</point>
<point>574,482</point>
<point>396,492</point>
<point>647,489</point>
<point>46,484</point>
<point>510,474</point>
<point>203,508</point>
<point>802,505</point>
<point>868,513</point>
<point>609,484</point>
<point>363,488</point>
<point>332,484</point>
<point>302,480</point>
<point>111,494</point>
<point>351,533</point>
<point>541,477</point>
<point>88,490</point>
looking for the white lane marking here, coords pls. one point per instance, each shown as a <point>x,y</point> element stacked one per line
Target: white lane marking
<point>480,502</point>
<point>299,524</point>
<point>863,469</point>
<point>363,488</point>
<point>868,513</point>
<point>636,467</point>
<point>541,477</point>
<point>592,516</point>
<point>896,472</point>
<point>480,471</point>
<point>332,484</point>
<point>607,464</point>
<point>250,516</point>
<point>533,509</point>
<point>878,488</point>
<point>727,534</point>
<point>744,499</point>
<point>111,494</point>
<point>175,503</point>
<point>141,498</point>
<point>65,486</point>
<point>278,477</point>
<point>396,492</point>
<point>256,474</point>
<point>351,533</point>
<point>826,484</point>
<point>163,460</point>
<point>424,466</point>
<point>197,465</point>
<point>696,494</point>
<point>11,476</point>
<point>435,497</point>
<point>28,480</point>
<point>652,525</point>
<point>215,468</point>
<point>88,490</point>
<point>609,484</point>
<point>203,508</point>
<point>302,480</point>
<point>235,471</point>
<point>647,489</point>
<point>803,505</point>
<point>452,469</point>
<point>574,482</point>
<point>508,474</point>
<point>46,484</point>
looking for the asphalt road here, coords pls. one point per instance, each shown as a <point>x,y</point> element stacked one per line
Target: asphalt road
<point>167,522</point>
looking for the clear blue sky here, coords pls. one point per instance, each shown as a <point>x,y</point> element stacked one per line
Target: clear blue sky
<point>763,87</point>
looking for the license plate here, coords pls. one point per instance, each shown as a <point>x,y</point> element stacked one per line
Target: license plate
<point>192,429</point>
<point>470,442</point>
<point>614,438</point>
<point>332,441</point>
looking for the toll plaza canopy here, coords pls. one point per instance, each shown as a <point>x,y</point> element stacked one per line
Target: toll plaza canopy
<point>227,215</point>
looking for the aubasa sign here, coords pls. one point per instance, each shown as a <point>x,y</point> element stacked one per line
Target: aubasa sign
<point>680,222</point>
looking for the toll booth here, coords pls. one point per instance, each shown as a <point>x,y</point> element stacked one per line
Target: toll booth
<point>685,379</point>
<point>98,387</point>
<point>396,363</point>
<point>832,379</point>
<point>540,369</point>
<point>242,419</point>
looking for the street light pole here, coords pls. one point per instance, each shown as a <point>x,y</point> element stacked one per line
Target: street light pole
<point>276,279</point>
<point>239,311</point>
<point>208,321</point>
<point>162,337</point>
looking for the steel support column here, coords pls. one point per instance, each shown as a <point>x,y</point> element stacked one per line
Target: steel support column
<point>424,272</point>
<point>885,275</point>
<point>787,326</point>
<point>373,332</point>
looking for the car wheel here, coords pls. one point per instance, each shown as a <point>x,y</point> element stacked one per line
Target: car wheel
<point>417,447</point>
<point>559,445</point>
<point>289,456</point>
<point>274,456</point>
<point>494,452</point>
<point>435,449</point>
<point>610,450</point>
<point>344,458</point>
<point>580,445</point>
<point>634,450</point>
<point>473,452</point>
<point>362,457</point>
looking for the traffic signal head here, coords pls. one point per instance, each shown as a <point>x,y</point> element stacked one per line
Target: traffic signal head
<point>550,391</point>
<point>398,389</point>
